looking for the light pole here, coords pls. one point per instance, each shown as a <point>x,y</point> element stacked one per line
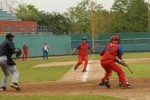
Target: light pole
<point>92,22</point>
<point>148,18</point>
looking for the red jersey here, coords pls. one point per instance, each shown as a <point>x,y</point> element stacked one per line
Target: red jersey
<point>25,49</point>
<point>111,51</point>
<point>83,49</point>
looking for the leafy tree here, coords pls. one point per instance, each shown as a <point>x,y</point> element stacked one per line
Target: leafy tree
<point>119,22</point>
<point>137,16</point>
<point>80,17</point>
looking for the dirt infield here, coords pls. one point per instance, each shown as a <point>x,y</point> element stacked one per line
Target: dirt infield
<point>76,82</point>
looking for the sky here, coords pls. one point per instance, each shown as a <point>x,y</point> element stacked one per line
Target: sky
<point>62,5</point>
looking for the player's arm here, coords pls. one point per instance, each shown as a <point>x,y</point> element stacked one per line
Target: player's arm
<point>93,48</point>
<point>75,49</point>
<point>12,48</point>
<point>119,59</point>
<point>120,52</point>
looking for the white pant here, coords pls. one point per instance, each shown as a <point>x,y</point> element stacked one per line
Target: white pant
<point>7,70</point>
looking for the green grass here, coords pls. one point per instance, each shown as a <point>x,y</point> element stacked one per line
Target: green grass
<point>129,55</point>
<point>139,70</point>
<point>28,74</point>
<point>60,97</point>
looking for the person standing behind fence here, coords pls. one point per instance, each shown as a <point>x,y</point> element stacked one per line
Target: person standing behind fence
<point>25,51</point>
<point>45,51</point>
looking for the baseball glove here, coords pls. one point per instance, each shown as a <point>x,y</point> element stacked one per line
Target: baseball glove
<point>119,61</point>
<point>18,53</point>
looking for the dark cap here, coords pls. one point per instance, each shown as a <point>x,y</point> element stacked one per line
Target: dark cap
<point>9,35</point>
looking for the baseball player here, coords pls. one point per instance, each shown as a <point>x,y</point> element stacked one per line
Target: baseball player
<point>83,53</point>
<point>25,51</point>
<point>7,49</point>
<point>109,54</point>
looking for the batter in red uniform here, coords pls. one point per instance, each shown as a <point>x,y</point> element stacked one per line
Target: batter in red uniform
<point>83,53</point>
<point>111,51</point>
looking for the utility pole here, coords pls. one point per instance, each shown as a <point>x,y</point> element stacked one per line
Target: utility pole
<point>92,22</point>
<point>148,18</point>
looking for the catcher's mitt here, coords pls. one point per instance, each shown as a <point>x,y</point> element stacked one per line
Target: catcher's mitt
<point>18,53</point>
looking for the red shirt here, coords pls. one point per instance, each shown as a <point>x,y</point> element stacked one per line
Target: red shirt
<point>25,49</point>
<point>111,51</point>
<point>83,49</point>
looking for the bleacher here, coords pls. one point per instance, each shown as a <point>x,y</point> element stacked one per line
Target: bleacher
<point>4,15</point>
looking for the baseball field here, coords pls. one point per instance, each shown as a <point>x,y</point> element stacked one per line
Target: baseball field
<point>55,79</point>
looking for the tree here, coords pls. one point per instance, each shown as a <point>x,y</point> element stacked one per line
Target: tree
<point>119,22</point>
<point>80,17</point>
<point>27,12</point>
<point>9,5</point>
<point>138,16</point>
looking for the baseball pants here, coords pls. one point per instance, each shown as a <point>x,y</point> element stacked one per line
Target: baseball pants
<point>81,59</point>
<point>7,70</point>
<point>109,66</point>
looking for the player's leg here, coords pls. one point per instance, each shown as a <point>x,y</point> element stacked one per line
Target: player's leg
<point>26,56</point>
<point>85,58</point>
<point>15,78</point>
<point>80,59</point>
<point>115,67</point>
<point>46,54</point>
<point>5,77</point>
<point>108,71</point>
<point>5,71</point>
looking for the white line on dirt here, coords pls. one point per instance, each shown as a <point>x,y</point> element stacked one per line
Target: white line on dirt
<point>86,74</point>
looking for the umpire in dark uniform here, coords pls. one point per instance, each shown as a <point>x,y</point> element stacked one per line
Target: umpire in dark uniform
<point>7,49</point>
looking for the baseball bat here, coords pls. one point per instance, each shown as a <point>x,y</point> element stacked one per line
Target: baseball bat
<point>129,69</point>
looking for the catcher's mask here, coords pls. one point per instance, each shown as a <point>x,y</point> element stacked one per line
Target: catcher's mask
<point>115,39</point>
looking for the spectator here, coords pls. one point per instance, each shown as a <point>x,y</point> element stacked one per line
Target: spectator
<point>45,51</point>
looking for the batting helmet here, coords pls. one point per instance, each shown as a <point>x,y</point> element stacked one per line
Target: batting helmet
<point>115,39</point>
<point>84,38</point>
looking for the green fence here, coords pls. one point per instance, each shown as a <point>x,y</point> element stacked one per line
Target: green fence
<point>59,45</point>
<point>62,44</point>
<point>130,41</point>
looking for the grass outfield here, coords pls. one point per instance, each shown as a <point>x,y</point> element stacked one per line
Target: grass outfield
<point>60,97</point>
<point>128,55</point>
<point>28,74</point>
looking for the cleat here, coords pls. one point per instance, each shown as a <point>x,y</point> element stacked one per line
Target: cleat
<point>75,68</point>
<point>101,84</point>
<point>107,83</point>
<point>126,86</point>
<point>15,86</point>
<point>120,84</point>
<point>84,70</point>
<point>2,88</point>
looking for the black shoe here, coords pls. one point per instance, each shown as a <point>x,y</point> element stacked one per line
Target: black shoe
<point>101,84</point>
<point>107,83</point>
<point>84,70</point>
<point>15,86</point>
<point>120,84</point>
<point>75,68</point>
<point>2,88</point>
